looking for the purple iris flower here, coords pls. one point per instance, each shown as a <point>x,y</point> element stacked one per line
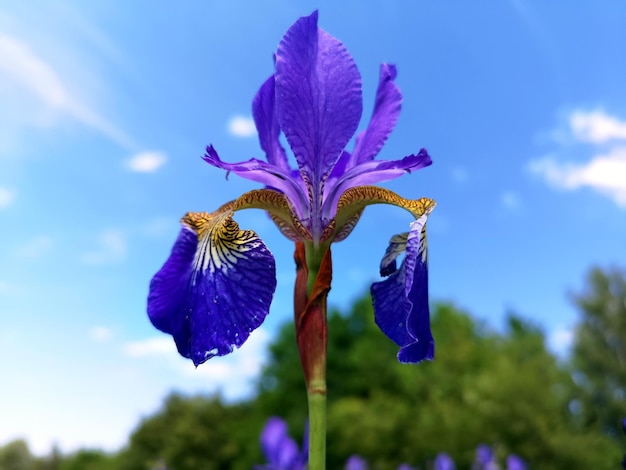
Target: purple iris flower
<point>484,458</point>
<point>218,283</point>
<point>444,462</point>
<point>356,462</point>
<point>280,450</point>
<point>515,462</point>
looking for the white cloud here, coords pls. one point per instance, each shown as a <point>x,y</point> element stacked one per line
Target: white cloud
<point>596,127</point>
<point>241,126</point>
<point>20,62</point>
<point>231,375</point>
<point>112,248</point>
<point>6,197</point>
<point>146,162</point>
<point>100,334</point>
<point>603,173</point>
<point>20,65</point>
<point>157,346</point>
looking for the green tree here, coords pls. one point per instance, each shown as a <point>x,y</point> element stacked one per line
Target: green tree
<point>195,433</point>
<point>86,459</point>
<point>16,456</point>
<point>505,389</point>
<point>599,352</point>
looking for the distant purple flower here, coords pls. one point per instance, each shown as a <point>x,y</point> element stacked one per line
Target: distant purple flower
<point>280,450</point>
<point>484,458</point>
<point>514,462</point>
<point>484,454</point>
<point>405,466</point>
<point>356,462</point>
<point>217,285</point>
<point>444,462</point>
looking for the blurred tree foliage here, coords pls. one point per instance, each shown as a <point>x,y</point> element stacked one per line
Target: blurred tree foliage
<point>599,353</point>
<point>506,390</point>
<point>196,433</point>
<point>500,388</point>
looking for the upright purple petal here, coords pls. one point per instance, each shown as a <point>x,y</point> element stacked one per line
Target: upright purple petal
<point>384,117</point>
<point>265,117</point>
<point>401,301</point>
<point>318,95</point>
<point>215,288</point>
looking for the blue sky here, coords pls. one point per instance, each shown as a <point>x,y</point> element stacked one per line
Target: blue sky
<point>105,110</point>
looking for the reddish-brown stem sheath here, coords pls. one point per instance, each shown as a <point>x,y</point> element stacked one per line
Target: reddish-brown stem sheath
<point>310,318</point>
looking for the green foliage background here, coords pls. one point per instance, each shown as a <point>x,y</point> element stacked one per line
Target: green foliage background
<point>500,388</point>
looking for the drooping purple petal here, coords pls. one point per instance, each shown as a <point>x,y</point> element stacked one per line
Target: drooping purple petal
<point>368,173</point>
<point>318,95</point>
<point>396,247</point>
<point>401,301</point>
<point>384,117</point>
<point>169,290</point>
<point>214,290</point>
<point>444,462</point>
<point>266,120</point>
<point>267,174</point>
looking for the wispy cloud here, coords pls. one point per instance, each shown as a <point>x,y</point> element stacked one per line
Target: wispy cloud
<point>605,168</point>
<point>157,346</point>
<point>511,200</point>
<point>100,334</point>
<point>241,126</point>
<point>34,247</point>
<point>603,173</point>
<point>231,375</point>
<point>112,248</point>
<point>596,127</point>
<point>38,78</point>
<point>146,162</point>
<point>7,197</point>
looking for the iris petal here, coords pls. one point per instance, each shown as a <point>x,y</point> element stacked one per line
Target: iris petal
<point>372,172</point>
<point>266,121</point>
<point>384,117</point>
<point>318,95</point>
<point>401,301</point>
<point>216,287</point>
<point>267,174</point>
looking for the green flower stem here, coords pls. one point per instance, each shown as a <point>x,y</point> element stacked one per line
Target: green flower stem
<point>312,344</point>
<point>317,429</point>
